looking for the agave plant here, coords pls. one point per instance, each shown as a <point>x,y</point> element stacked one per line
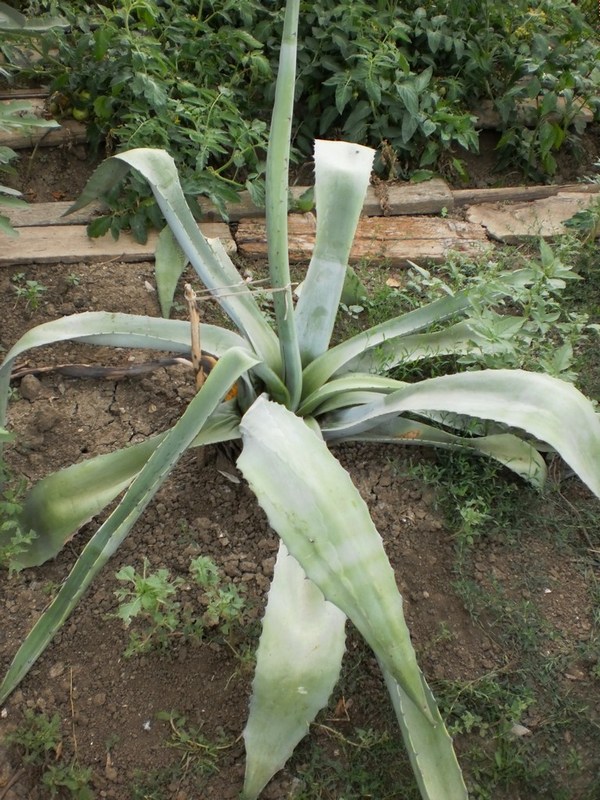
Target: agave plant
<point>295,395</point>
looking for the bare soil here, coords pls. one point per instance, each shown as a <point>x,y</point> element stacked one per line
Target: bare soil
<point>108,704</point>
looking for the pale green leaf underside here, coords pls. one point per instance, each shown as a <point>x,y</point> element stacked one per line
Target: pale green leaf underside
<point>298,662</point>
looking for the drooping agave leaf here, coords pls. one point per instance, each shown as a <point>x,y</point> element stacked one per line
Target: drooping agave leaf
<point>549,409</point>
<point>111,533</point>
<point>312,504</point>
<point>298,662</point>
<point>276,206</point>
<point>59,505</point>
<point>15,22</point>
<point>342,172</point>
<point>117,330</point>
<point>169,263</point>
<point>427,746</point>
<point>519,456</point>
<point>159,169</point>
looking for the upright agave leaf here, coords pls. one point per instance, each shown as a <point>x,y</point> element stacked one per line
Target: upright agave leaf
<point>312,504</point>
<point>278,157</point>
<point>297,664</point>
<point>342,172</point>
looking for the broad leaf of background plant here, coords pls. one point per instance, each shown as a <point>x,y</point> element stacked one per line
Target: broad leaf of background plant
<point>312,504</point>
<point>169,263</point>
<point>298,661</point>
<point>111,533</point>
<point>547,408</point>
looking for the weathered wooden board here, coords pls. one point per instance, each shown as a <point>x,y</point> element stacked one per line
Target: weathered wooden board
<point>70,244</point>
<point>392,199</point>
<point>405,198</point>
<point>512,222</point>
<point>398,198</point>
<point>70,132</point>
<point>513,194</point>
<point>397,240</point>
<point>43,214</point>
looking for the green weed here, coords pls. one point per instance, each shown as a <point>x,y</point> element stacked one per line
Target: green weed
<point>150,600</point>
<point>38,741</point>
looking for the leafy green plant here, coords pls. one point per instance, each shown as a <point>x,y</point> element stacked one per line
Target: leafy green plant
<point>295,395</point>
<point>15,540</point>
<point>30,291</point>
<point>17,115</point>
<point>38,741</point>
<point>407,78</point>
<point>150,599</point>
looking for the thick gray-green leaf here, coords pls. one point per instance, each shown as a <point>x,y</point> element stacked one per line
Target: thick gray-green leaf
<point>223,280</point>
<point>547,408</point>
<point>111,533</point>
<point>57,506</point>
<point>519,456</point>
<point>342,172</point>
<point>298,662</point>
<point>429,746</point>
<point>116,330</point>
<point>312,504</point>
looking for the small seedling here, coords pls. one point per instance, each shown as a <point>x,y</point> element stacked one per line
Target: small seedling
<point>10,526</point>
<point>29,291</point>
<point>151,599</point>
<point>72,279</point>
<point>198,753</point>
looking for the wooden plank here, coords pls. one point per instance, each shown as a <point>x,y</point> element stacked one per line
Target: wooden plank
<point>512,223</point>
<point>71,132</point>
<point>42,214</point>
<point>24,93</point>
<point>511,194</point>
<point>70,244</point>
<point>399,198</point>
<point>396,240</point>
<point>405,198</point>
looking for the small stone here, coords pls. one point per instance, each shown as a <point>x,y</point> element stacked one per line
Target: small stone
<point>57,669</point>
<point>31,388</point>
<point>111,773</point>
